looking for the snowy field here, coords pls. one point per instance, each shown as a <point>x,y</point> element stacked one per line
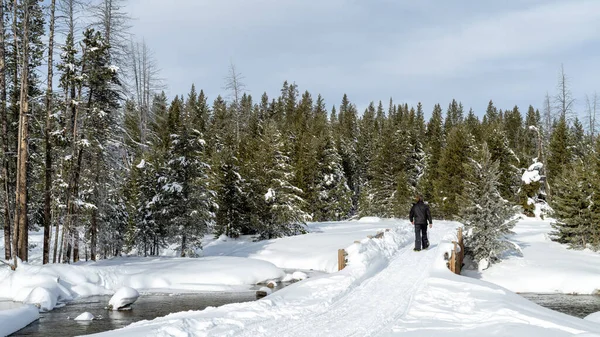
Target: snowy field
<point>540,265</point>
<point>386,290</point>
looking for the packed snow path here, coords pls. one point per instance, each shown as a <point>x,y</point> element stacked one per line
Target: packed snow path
<point>384,298</point>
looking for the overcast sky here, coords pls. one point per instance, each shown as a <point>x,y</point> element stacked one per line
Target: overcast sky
<point>427,50</point>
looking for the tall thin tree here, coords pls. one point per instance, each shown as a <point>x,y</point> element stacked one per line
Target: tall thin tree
<point>47,143</point>
<point>21,223</point>
<point>4,138</point>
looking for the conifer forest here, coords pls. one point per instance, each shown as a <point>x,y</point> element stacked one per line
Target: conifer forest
<point>99,158</point>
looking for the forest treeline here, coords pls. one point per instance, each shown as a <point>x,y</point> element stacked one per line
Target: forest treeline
<point>98,157</point>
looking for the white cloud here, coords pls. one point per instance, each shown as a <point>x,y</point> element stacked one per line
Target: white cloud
<point>536,31</point>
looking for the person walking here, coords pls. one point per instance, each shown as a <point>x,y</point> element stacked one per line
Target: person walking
<point>419,216</point>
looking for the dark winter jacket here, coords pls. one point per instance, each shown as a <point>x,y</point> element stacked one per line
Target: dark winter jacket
<point>420,214</point>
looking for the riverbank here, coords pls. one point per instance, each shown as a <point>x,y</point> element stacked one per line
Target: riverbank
<point>229,265</point>
<point>14,316</point>
<point>540,265</point>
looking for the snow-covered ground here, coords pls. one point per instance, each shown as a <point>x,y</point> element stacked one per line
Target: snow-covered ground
<point>228,265</point>
<point>540,265</point>
<point>14,316</point>
<point>386,290</point>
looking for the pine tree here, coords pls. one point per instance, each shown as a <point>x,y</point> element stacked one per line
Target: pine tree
<point>450,184</point>
<point>485,214</point>
<point>231,217</point>
<point>508,162</point>
<point>559,149</point>
<point>434,143</point>
<point>283,213</point>
<point>573,206</point>
<point>332,192</point>
<point>347,146</point>
<point>581,148</point>
<point>187,197</point>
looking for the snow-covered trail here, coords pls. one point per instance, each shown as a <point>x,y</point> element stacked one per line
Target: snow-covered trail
<point>384,298</point>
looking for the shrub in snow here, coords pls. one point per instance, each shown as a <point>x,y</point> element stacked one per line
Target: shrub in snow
<point>86,316</point>
<point>486,215</point>
<point>123,298</point>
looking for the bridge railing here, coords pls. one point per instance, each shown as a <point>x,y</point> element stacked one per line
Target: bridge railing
<point>458,253</point>
<point>343,255</point>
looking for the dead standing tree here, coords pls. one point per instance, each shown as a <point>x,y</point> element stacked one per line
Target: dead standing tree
<point>21,237</point>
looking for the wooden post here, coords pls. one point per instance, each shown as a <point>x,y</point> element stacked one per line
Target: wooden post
<point>341,259</point>
<point>452,261</point>
<point>461,243</point>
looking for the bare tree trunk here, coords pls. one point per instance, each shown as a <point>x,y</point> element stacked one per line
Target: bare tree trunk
<point>15,237</point>
<point>591,107</point>
<point>183,245</point>
<point>5,152</point>
<point>94,220</point>
<point>236,86</point>
<point>23,146</point>
<point>564,98</point>
<point>75,237</point>
<point>48,171</point>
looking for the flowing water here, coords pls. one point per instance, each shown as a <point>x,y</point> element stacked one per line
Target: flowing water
<point>574,305</point>
<point>59,322</point>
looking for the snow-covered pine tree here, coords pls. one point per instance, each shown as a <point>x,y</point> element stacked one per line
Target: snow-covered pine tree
<point>348,137</point>
<point>487,217</point>
<point>501,152</point>
<point>572,202</point>
<point>559,151</point>
<point>450,182</point>
<point>284,213</point>
<point>333,194</point>
<point>379,197</point>
<point>434,143</point>
<point>187,200</point>
<point>231,217</point>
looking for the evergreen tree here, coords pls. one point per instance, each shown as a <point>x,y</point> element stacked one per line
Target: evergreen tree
<point>451,174</point>
<point>333,194</point>
<point>573,207</point>
<point>434,143</point>
<point>508,162</point>
<point>282,213</point>
<point>559,149</point>
<point>187,199</point>
<point>485,213</point>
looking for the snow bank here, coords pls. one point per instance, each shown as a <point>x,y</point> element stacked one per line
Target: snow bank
<point>541,265</point>
<point>123,297</point>
<point>595,317</point>
<point>14,317</point>
<point>455,306</point>
<point>316,250</point>
<point>50,285</point>
<point>386,290</point>
<point>312,296</point>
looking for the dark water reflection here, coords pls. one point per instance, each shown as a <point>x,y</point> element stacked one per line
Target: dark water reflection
<point>574,305</point>
<point>59,322</point>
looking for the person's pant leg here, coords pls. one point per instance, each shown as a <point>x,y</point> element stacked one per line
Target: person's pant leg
<point>417,237</point>
<point>424,238</point>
